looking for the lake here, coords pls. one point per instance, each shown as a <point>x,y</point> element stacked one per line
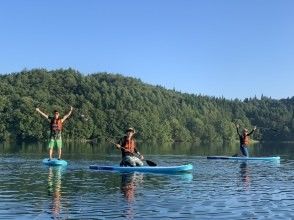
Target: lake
<point>216,189</point>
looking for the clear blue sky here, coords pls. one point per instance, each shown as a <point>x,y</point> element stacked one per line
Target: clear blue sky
<point>230,48</point>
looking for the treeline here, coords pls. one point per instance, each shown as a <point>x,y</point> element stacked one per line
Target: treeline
<point>106,104</point>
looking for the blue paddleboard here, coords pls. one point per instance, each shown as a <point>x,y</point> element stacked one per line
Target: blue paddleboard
<point>276,158</point>
<point>54,162</point>
<point>146,169</point>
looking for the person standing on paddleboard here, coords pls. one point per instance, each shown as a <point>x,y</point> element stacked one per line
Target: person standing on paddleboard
<point>130,154</point>
<point>244,140</point>
<point>55,130</point>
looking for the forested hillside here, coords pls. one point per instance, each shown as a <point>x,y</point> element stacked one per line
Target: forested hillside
<point>106,104</point>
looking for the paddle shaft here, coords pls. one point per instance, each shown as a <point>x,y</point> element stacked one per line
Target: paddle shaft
<point>124,148</point>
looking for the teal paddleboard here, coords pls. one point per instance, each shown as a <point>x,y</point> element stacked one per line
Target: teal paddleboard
<point>54,162</point>
<point>276,158</point>
<point>146,169</point>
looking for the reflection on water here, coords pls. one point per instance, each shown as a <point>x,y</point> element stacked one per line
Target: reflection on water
<point>129,183</point>
<point>214,190</point>
<point>245,175</point>
<point>54,190</point>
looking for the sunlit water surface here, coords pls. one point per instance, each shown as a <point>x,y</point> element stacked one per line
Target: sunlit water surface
<point>216,189</point>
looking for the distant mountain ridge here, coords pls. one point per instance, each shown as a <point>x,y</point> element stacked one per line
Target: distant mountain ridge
<point>106,104</point>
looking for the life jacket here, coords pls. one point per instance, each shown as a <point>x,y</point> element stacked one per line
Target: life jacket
<point>129,145</point>
<point>244,139</point>
<point>56,125</point>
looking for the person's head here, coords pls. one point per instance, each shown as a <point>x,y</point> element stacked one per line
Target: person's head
<point>56,114</point>
<point>130,132</point>
<point>245,131</point>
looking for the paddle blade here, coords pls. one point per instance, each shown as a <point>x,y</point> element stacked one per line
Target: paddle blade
<point>151,163</point>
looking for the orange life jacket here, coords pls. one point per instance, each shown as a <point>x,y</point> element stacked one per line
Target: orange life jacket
<point>244,139</point>
<point>56,124</point>
<point>129,145</point>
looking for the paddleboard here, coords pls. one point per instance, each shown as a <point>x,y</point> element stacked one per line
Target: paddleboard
<point>276,158</point>
<point>146,169</point>
<point>54,162</point>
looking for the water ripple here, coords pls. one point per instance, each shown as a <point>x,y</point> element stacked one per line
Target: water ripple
<point>215,190</point>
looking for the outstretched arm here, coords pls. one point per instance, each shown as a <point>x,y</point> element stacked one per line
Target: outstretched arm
<point>237,127</point>
<point>118,144</point>
<point>68,114</point>
<point>252,131</point>
<point>42,113</point>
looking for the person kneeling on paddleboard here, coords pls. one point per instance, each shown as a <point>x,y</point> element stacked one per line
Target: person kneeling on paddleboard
<point>55,130</point>
<point>130,154</point>
<point>244,140</point>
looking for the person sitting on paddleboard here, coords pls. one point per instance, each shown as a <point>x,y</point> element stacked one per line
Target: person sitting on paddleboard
<point>55,130</point>
<point>130,154</point>
<point>244,140</point>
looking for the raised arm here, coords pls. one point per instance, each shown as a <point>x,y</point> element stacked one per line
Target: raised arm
<point>252,131</point>
<point>67,115</point>
<point>42,113</point>
<point>237,127</point>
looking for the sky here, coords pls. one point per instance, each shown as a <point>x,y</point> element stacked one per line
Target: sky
<point>222,48</point>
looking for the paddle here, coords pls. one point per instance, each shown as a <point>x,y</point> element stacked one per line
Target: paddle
<point>149,162</point>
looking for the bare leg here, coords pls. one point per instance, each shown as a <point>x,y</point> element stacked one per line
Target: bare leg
<point>50,153</point>
<point>59,153</point>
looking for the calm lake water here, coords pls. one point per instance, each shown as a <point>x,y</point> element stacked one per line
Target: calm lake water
<point>214,190</point>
